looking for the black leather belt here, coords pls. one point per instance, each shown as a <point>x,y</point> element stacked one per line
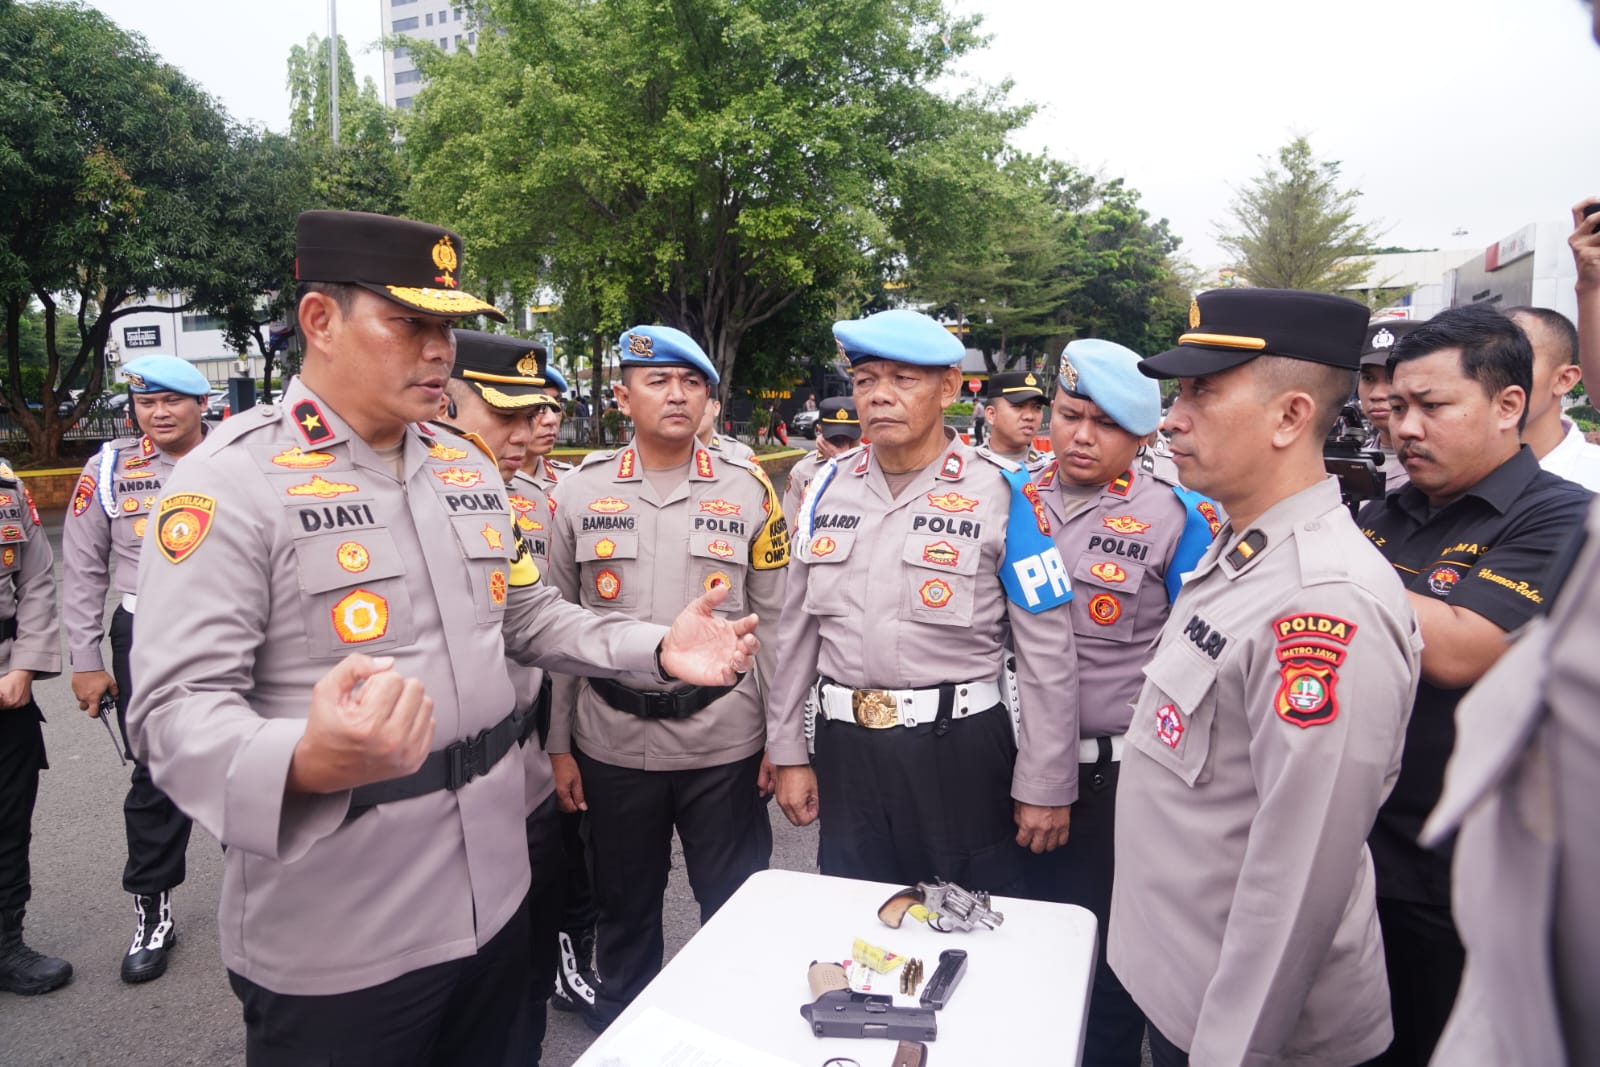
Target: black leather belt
<point>652,704</point>
<point>8,630</point>
<point>451,767</point>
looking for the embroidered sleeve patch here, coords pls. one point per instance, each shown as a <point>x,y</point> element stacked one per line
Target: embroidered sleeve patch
<point>183,522</point>
<point>1311,648</point>
<point>83,495</point>
<point>770,548</point>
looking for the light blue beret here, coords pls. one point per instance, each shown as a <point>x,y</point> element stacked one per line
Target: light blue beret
<point>903,336</point>
<point>663,346</point>
<point>1108,374</point>
<point>164,374</point>
<point>553,377</point>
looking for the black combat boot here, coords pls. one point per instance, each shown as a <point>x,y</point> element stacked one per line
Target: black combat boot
<point>147,956</point>
<point>23,970</point>
<point>575,980</point>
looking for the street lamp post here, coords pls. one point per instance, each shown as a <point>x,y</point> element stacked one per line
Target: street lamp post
<point>333,71</point>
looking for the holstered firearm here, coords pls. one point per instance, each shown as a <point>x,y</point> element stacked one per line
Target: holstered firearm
<point>944,906</point>
<point>837,1011</point>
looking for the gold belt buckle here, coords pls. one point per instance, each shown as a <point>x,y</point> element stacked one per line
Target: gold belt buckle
<point>876,709</point>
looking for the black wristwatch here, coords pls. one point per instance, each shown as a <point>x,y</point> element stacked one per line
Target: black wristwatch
<point>666,675</point>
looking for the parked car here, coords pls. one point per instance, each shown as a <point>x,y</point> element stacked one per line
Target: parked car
<point>217,405</point>
<point>805,422</point>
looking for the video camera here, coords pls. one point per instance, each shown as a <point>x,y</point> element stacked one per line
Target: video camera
<point>1346,457</point>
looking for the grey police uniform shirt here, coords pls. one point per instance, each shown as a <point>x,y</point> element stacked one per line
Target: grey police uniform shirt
<point>111,506</point>
<point>1269,729</point>
<point>1117,549</point>
<point>528,495</point>
<point>722,444</point>
<point>280,545</point>
<point>801,475</point>
<point>1520,786</point>
<point>28,594</point>
<point>905,593</point>
<point>619,547</point>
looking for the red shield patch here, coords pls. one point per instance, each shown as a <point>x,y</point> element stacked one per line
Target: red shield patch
<point>83,495</point>
<point>1306,693</point>
<point>183,523</point>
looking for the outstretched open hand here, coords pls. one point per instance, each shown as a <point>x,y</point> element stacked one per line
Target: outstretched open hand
<point>703,649</point>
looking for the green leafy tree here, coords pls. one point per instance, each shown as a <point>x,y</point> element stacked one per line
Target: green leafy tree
<point>270,179</point>
<point>1295,226</point>
<point>709,163</point>
<point>365,170</point>
<point>1063,256</point>
<point>108,191</point>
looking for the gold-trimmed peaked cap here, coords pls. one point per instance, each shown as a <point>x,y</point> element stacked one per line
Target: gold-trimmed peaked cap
<point>1382,336</point>
<point>415,264</point>
<point>1229,327</point>
<point>508,372</point>
<point>1018,387</point>
<point>837,418</point>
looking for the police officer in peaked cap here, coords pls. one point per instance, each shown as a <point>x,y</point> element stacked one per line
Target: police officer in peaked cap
<point>1013,406</point>
<point>838,430</point>
<point>332,582</point>
<point>1372,393</point>
<point>1268,727</point>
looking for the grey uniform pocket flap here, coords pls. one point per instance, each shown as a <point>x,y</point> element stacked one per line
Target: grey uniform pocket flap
<point>952,555</point>
<point>1173,718</point>
<point>334,560</point>
<point>610,544</point>
<point>724,548</point>
<point>485,535</point>
<point>830,546</point>
<point>1108,572</point>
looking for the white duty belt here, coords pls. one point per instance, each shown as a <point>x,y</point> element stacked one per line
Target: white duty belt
<point>130,601</point>
<point>880,709</point>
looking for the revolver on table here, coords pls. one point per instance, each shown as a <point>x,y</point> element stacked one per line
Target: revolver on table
<point>944,906</point>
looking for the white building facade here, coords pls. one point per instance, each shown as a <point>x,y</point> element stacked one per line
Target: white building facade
<point>188,335</point>
<point>434,21</point>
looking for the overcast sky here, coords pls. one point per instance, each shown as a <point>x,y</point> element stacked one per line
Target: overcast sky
<point>1477,115</point>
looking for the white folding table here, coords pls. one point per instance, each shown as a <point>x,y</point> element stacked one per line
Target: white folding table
<point>742,977</point>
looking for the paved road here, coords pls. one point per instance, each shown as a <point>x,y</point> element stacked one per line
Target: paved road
<point>79,912</point>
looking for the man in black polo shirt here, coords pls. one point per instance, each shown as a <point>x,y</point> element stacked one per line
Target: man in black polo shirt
<point>1472,537</point>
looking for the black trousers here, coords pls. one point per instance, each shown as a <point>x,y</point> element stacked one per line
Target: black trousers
<point>726,837</point>
<point>913,803</point>
<point>1424,957</point>
<point>158,833</point>
<point>548,860</point>
<point>470,1012</point>
<point>21,760</point>
<point>1164,1053</point>
<point>1080,872</point>
<point>579,904</point>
